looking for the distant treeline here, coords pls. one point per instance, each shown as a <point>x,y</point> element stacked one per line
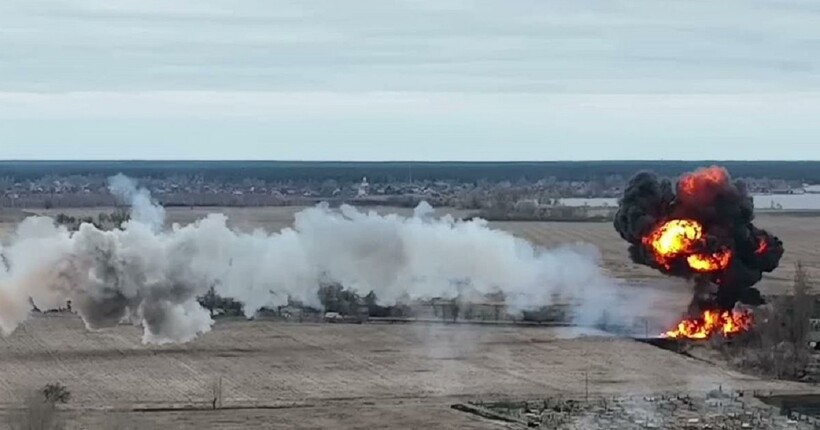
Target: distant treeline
<point>283,171</point>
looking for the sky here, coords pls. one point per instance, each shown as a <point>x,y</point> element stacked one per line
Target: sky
<point>410,80</point>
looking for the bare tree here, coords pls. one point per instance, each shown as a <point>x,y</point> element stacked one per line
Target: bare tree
<point>778,345</point>
<point>803,304</point>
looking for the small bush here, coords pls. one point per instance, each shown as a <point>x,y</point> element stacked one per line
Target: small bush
<point>56,393</point>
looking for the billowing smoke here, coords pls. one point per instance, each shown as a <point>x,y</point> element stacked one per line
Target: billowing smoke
<point>703,230</point>
<point>143,209</point>
<point>153,276</point>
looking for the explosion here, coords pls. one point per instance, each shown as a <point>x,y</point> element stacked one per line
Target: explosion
<point>681,238</point>
<point>702,231</point>
<point>725,323</point>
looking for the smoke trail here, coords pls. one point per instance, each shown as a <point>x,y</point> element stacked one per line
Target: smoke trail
<point>153,276</point>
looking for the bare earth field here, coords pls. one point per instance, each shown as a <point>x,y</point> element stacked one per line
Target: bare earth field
<point>313,375</point>
<point>278,375</point>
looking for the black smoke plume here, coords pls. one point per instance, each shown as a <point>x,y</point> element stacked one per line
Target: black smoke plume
<point>725,210</point>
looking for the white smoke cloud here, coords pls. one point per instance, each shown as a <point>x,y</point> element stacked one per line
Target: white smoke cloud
<point>143,209</point>
<point>153,276</point>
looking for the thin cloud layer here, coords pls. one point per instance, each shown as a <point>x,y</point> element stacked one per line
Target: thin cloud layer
<point>464,46</point>
<point>469,80</point>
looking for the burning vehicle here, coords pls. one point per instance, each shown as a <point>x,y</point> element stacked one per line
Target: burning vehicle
<point>700,230</point>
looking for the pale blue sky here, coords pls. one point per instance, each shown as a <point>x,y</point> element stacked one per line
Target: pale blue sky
<point>411,80</point>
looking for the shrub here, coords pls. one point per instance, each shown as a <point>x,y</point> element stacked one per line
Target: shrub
<point>56,393</point>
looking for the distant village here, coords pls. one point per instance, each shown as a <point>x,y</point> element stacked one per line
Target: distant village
<point>520,196</point>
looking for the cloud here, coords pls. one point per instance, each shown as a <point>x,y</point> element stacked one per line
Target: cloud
<point>368,79</point>
<point>363,105</point>
<point>463,46</point>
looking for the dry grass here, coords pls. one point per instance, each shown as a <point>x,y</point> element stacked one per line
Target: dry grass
<point>264,363</point>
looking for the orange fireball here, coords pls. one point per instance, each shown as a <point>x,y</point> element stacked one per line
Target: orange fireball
<point>675,236</point>
<point>702,181</point>
<point>725,323</point>
<point>709,262</point>
<point>680,238</point>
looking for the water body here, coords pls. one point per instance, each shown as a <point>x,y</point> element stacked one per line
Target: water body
<point>762,201</point>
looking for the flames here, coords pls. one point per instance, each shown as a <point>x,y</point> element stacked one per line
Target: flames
<point>700,228</point>
<point>683,238</point>
<point>709,262</point>
<point>710,323</point>
<point>700,182</point>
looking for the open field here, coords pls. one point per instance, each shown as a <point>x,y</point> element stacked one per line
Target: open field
<point>278,375</point>
<point>310,375</point>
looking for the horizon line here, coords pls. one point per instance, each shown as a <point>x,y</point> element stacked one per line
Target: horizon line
<point>183,160</point>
